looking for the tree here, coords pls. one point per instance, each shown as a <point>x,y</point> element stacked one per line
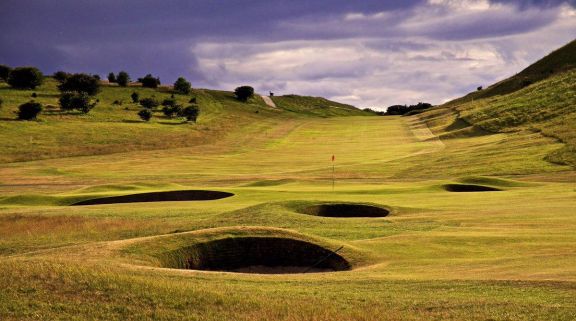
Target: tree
<point>61,76</point>
<point>80,83</point>
<point>182,86</point>
<point>25,78</point>
<point>243,93</point>
<point>479,88</point>
<point>4,72</point>
<point>145,114</point>
<point>135,97</point>
<point>29,110</point>
<point>149,103</point>
<point>76,101</point>
<point>191,113</point>
<point>111,77</point>
<point>149,81</point>
<point>97,76</point>
<point>123,79</point>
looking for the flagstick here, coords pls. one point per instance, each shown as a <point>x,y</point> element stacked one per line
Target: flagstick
<point>333,158</point>
<point>332,177</point>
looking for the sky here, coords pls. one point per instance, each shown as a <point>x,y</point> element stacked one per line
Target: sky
<point>365,53</point>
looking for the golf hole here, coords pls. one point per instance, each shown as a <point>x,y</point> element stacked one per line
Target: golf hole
<point>262,255</point>
<point>346,210</point>
<point>169,196</point>
<point>469,188</point>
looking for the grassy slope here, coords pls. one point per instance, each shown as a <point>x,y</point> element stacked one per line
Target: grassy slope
<point>546,107</point>
<point>111,128</point>
<point>506,255</point>
<point>558,61</point>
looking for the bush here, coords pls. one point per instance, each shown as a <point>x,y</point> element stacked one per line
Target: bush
<point>169,102</point>
<point>192,100</point>
<point>81,83</point>
<point>25,78</point>
<point>171,107</point>
<point>76,101</point>
<point>4,72</point>
<point>191,113</point>
<point>149,81</point>
<point>123,79</point>
<point>1,101</point>
<point>34,95</point>
<point>149,103</point>
<point>182,86</point>
<point>244,93</point>
<point>135,97</point>
<point>145,114</point>
<point>61,76</point>
<point>111,77</point>
<point>97,76</point>
<point>29,110</point>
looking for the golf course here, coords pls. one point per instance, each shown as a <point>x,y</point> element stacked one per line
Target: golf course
<point>306,209</point>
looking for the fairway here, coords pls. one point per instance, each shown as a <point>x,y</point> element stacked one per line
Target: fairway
<point>438,254</point>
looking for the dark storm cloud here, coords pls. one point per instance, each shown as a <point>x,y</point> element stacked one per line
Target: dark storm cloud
<point>210,41</point>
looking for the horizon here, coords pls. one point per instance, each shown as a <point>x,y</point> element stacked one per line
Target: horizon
<point>373,54</point>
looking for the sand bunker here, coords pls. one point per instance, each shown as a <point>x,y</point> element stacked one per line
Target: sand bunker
<point>267,255</point>
<point>169,196</point>
<point>469,188</point>
<point>346,210</point>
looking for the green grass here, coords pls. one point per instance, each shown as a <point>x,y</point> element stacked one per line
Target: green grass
<point>507,255</point>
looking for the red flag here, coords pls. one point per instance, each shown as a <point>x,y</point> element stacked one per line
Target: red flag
<point>333,158</point>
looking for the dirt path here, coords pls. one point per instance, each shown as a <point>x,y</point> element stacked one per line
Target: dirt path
<point>269,101</point>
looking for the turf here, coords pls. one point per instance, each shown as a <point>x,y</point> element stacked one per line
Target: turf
<point>438,255</point>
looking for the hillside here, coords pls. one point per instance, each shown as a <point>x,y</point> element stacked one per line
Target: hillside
<point>114,126</point>
<point>547,106</point>
<point>558,61</point>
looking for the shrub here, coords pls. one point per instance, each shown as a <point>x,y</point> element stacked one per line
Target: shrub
<point>25,78</point>
<point>117,102</point>
<point>149,103</point>
<point>169,102</point>
<point>4,72</point>
<point>182,86</point>
<point>191,113</point>
<point>135,97</point>
<point>76,101</point>
<point>97,76</point>
<point>149,81</point>
<point>111,77</point>
<point>192,100</point>
<point>479,88</point>
<point>243,93</point>
<point>145,114</point>
<point>34,95</point>
<point>170,111</point>
<point>1,101</point>
<point>81,83</point>
<point>61,76</point>
<point>29,110</point>
<point>123,79</point>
